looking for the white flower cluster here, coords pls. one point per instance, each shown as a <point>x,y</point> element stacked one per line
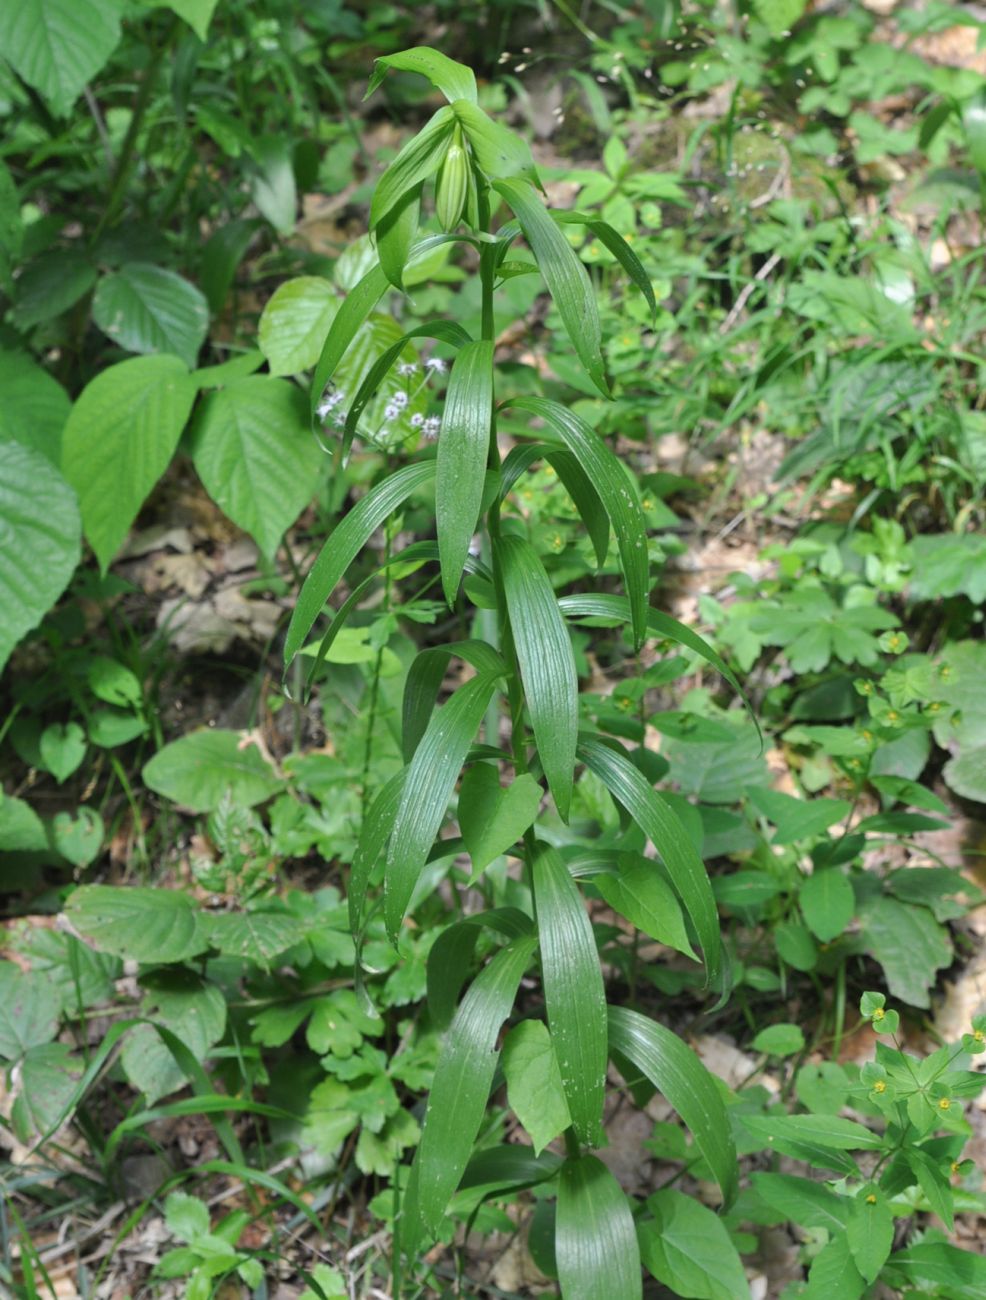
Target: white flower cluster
<point>329,407</point>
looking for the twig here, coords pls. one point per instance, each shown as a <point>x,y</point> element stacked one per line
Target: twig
<point>741,301</point>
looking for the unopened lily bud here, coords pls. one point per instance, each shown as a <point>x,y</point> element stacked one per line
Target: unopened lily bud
<point>452,184</point>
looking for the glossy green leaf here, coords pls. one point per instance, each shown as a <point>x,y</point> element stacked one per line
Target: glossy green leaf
<point>534,1083</point>
<point>573,992</point>
<point>344,545</point>
<point>686,1246</point>
<point>463,1075</point>
<point>150,925</point>
<point>677,1073</point>
<point>295,323</point>
<point>494,818</point>
<point>641,894</point>
<point>615,243</point>
<point>630,787</point>
<point>253,449</point>
<point>39,540</point>
<point>33,407</point>
<point>454,80</point>
<point>617,493</point>
<point>59,45</point>
<point>424,681</point>
<point>547,663</point>
<point>146,308</point>
<point>566,277</point>
<point>431,778</point>
<point>577,484</point>
<point>419,159</point>
<point>463,449</point>
<point>452,952</point>
<point>376,830</point>
<point>802,1201</point>
<point>595,1242</point>
<point>974,125</point>
<point>780,1040</point>
<point>395,233</point>
<point>197,770</point>
<point>355,309</point>
<point>120,438</point>
<point>500,152</point>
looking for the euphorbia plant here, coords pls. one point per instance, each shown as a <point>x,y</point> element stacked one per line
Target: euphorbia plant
<point>486,196</point>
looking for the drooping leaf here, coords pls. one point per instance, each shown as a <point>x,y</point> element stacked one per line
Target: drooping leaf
<point>500,152</point>
<point>614,242</point>
<point>39,540</point>
<point>641,894</point>
<point>493,818</point>
<point>59,45</point>
<point>465,1069</point>
<point>595,1242</point>
<point>424,681</point>
<point>197,770</point>
<point>573,991</point>
<point>577,483</point>
<point>452,951</point>
<point>617,493</point>
<point>119,439</point>
<point>534,1084</point>
<point>253,449</point>
<point>343,546</point>
<point>454,80</point>
<point>358,304</point>
<point>419,159</point>
<point>547,663</point>
<point>677,1073</point>
<point>376,830</point>
<point>463,449</point>
<point>630,787</point>
<point>146,308</point>
<point>686,1246</point>
<point>431,778</point>
<point>272,182</point>
<point>395,233</point>
<point>295,323</point>
<point>152,925</point>
<point>566,277</point>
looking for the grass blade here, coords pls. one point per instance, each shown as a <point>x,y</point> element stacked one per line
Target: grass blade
<point>573,992</point>
<point>463,450</point>
<point>547,663</point>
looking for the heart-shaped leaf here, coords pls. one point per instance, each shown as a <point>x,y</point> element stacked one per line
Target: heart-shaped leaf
<point>78,838</point>
<point>63,747</point>
<point>493,818</point>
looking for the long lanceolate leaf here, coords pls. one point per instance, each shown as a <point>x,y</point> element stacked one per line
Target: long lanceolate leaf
<point>463,450</point>
<point>573,992</point>
<point>616,492</point>
<point>659,624</point>
<point>378,825</point>
<point>418,160</point>
<point>463,1076</point>
<point>360,301</point>
<point>628,785</point>
<point>566,277</point>
<point>621,250</point>
<point>451,953</point>
<point>681,1078</point>
<point>577,483</point>
<point>454,80</point>
<point>424,681</point>
<point>547,663</point>
<point>431,779</point>
<point>344,545</point>
<point>595,1240</point>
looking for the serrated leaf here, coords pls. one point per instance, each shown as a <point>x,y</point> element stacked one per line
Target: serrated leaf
<point>39,540</point>
<point>343,546</point>
<point>463,449</point>
<point>197,770</point>
<point>28,1012</point>
<point>573,991</point>
<point>595,1242</point>
<point>909,944</point>
<point>146,308</point>
<point>186,1217</point>
<point>492,818</point>
<point>59,45</point>
<point>779,16</point>
<point>567,279</point>
<point>641,894</point>
<point>295,323</point>
<point>677,1073</point>
<point>463,1075</point>
<point>534,1083</point>
<point>49,1075</point>
<point>834,1273</point>
<point>119,440</point>
<point>828,903</point>
<point>687,1247</point>
<point>150,925</point>
<point>454,80</point>
<point>431,778</point>
<point>618,496</point>
<point>253,449</point>
<point>630,787</point>
<point>547,663</point>
<point>255,936</point>
<point>188,1006</point>
<point>870,1231</point>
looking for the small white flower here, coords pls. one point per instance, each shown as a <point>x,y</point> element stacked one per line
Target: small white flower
<point>339,419</point>
<point>329,403</point>
<point>431,426</point>
<point>435,366</point>
<point>399,400</point>
<point>407,367</point>
<point>417,420</point>
<point>391,412</point>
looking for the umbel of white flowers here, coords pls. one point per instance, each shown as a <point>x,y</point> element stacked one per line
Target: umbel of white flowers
<point>330,407</point>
